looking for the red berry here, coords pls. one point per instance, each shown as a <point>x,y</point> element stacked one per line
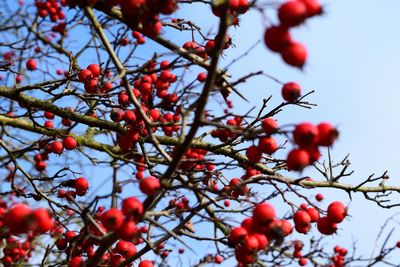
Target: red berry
<point>313,7</point>
<point>95,70</point>
<point>269,125</point>
<point>149,185</point>
<point>112,219</point>
<point>132,207</point>
<point>57,147</point>
<point>254,154</point>
<point>327,134</point>
<point>146,263</point>
<point>31,64</point>
<point>42,220</point>
<point>127,231</point>
<point>267,145</point>
<point>81,186</point>
<point>69,143</point>
<point>291,92</point>
<point>337,212</point>
<point>295,55</point>
<point>18,218</point>
<point>305,134</point>
<point>292,13</point>
<point>84,75</point>
<point>237,235</point>
<point>277,38</point>
<point>297,159</point>
<point>218,259</point>
<point>326,227</point>
<point>319,197</point>
<point>263,213</point>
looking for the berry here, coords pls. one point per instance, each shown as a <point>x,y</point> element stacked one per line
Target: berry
<point>264,213</point>
<point>292,13</point>
<point>81,186</point>
<point>31,64</point>
<point>295,55</point>
<point>337,212</point>
<point>277,38</point>
<point>69,143</point>
<point>297,160</point>
<point>305,134</point>
<point>57,147</point>
<point>149,185</point>
<point>291,92</point>
<point>112,219</point>
<point>269,125</point>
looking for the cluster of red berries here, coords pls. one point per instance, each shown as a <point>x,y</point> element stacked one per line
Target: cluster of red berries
<point>292,13</point>
<point>193,159</point>
<point>338,258</point>
<point>181,204</point>
<point>141,15</point>
<point>267,144</point>
<point>256,232</point>
<point>336,213</point>
<point>206,50</point>
<point>309,138</point>
<point>50,117</point>
<point>234,8</point>
<point>16,252</point>
<point>90,77</point>
<point>81,186</point>
<point>21,219</point>
<point>51,8</point>
<point>139,37</point>
<point>298,247</point>
<point>224,134</point>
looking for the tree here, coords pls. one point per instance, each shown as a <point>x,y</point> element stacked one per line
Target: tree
<point>93,93</point>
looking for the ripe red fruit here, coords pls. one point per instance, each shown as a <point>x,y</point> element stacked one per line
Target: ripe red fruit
<point>202,77</point>
<point>326,227</point>
<point>81,186</point>
<point>18,218</point>
<point>146,263</point>
<point>327,134</point>
<point>269,125</point>
<point>149,185</point>
<point>254,154</point>
<point>277,38</point>
<point>126,249</point>
<point>69,143</point>
<point>301,218</point>
<point>57,147</point>
<point>48,124</point>
<point>40,165</point>
<point>297,160</point>
<point>295,55</point>
<point>84,75</point>
<point>48,115</point>
<point>302,261</point>
<point>112,219</point>
<point>218,259</point>
<point>237,235</point>
<point>262,241</point>
<point>76,261</point>
<point>263,213</point>
<point>291,91</point>
<point>95,70</point>
<point>337,212</point>
<point>319,197</point>
<point>132,207</point>
<point>292,13</point>
<point>314,214</point>
<point>267,145</point>
<point>305,134</point>
<point>250,243</point>
<point>127,231</point>
<point>42,220</point>
<point>31,64</point>
<point>313,7</point>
